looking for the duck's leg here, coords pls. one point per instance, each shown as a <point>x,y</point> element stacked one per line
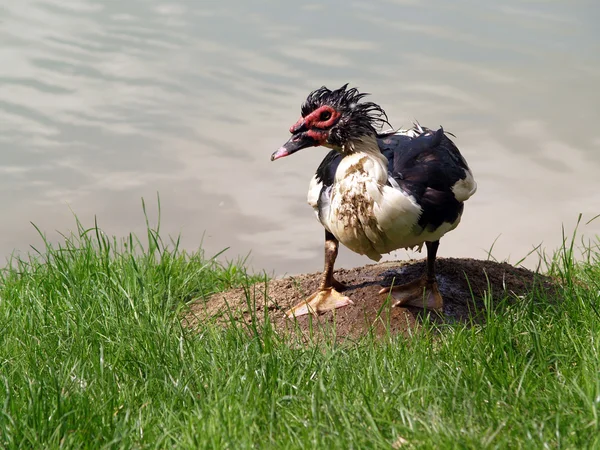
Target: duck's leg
<point>327,297</point>
<point>423,292</point>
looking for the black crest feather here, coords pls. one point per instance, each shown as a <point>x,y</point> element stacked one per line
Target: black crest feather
<point>357,118</point>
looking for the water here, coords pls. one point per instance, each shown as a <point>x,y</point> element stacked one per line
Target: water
<point>103,103</point>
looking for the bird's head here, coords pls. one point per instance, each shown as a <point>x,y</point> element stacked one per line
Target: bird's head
<point>333,119</point>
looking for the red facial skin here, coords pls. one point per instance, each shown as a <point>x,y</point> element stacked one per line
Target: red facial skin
<point>297,125</point>
<point>312,121</point>
<point>319,136</point>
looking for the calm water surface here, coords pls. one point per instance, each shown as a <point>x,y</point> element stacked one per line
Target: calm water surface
<point>103,103</point>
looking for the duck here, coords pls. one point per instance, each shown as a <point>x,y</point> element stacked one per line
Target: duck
<point>377,191</point>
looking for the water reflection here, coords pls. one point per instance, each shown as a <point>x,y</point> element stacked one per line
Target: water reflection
<point>102,103</point>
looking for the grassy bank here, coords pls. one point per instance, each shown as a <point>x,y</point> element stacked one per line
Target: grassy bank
<point>92,355</point>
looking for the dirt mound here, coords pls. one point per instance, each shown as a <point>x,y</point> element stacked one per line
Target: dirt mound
<point>463,284</point>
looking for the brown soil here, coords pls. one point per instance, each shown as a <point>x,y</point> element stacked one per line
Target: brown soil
<point>463,284</point>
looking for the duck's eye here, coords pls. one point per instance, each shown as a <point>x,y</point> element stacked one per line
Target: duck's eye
<point>325,115</point>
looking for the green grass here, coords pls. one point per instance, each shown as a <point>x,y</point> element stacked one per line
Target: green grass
<point>92,355</point>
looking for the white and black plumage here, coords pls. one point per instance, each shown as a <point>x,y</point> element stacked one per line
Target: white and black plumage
<point>378,192</point>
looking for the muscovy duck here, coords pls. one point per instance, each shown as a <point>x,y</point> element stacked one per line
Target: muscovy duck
<point>377,192</point>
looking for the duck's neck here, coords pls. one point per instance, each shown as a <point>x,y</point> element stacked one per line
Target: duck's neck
<point>363,156</point>
<point>365,144</point>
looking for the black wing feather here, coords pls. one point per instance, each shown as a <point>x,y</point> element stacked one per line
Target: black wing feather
<point>427,167</point>
<point>326,170</point>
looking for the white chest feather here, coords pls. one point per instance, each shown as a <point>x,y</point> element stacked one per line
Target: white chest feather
<point>364,213</point>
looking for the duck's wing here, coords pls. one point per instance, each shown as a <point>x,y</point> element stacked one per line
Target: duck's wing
<point>319,191</point>
<point>428,166</point>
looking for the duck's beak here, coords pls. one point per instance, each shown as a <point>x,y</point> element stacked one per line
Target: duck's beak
<point>298,141</point>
